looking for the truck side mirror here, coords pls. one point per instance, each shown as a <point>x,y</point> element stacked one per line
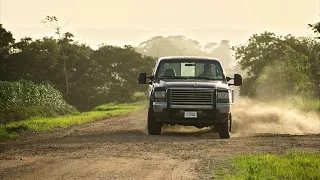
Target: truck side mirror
<point>237,80</point>
<point>142,78</point>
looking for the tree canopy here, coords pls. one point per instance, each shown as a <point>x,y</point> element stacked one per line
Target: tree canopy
<point>279,66</point>
<point>86,77</point>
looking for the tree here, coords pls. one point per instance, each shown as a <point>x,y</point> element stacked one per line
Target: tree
<point>159,46</point>
<point>120,67</point>
<point>6,43</point>
<point>68,56</point>
<point>315,27</point>
<point>32,60</point>
<point>276,66</point>
<point>86,78</point>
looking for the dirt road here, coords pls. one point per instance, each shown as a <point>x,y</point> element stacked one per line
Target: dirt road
<point>119,148</point>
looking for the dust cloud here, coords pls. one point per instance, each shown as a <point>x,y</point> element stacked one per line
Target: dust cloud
<point>255,117</point>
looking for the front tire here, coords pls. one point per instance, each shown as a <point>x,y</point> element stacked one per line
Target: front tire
<point>154,127</point>
<point>225,128</point>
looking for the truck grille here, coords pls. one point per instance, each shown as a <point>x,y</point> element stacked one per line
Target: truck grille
<point>191,97</point>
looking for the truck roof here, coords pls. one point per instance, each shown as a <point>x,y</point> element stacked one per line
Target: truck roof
<point>187,57</point>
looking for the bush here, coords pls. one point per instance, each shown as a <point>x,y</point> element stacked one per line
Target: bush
<point>22,99</point>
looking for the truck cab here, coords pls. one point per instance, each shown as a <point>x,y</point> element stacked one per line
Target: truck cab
<point>190,91</point>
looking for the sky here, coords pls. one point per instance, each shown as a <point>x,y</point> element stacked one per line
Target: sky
<point>120,22</point>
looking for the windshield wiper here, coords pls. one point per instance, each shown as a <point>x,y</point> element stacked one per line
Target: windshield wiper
<point>202,78</point>
<point>207,78</point>
<point>170,77</point>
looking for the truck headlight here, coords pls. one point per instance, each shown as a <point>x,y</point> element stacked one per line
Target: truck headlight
<point>223,97</point>
<point>159,94</point>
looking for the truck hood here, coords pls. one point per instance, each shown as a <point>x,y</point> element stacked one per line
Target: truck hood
<point>190,83</point>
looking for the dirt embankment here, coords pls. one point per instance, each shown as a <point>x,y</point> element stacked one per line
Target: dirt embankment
<point>120,148</point>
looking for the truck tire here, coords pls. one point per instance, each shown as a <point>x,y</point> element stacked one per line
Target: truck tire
<point>154,127</point>
<point>225,128</point>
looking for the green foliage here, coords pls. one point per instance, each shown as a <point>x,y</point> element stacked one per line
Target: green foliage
<point>6,42</point>
<point>13,129</point>
<point>23,99</point>
<point>88,77</point>
<point>17,113</point>
<point>306,104</point>
<point>85,77</point>
<point>295,165</point>
<point>114,106</point>
<point>119,69</point>
<point>279,66</point>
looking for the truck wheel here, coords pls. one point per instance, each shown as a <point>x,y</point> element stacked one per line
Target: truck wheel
<point>154,127</point>
<point>225,128</point>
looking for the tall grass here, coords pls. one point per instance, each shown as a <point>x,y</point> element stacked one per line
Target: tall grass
<point>294,165</point>
<point>23,99</point>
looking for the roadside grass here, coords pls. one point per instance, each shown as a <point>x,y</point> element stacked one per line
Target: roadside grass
<point>297,102</point>
<point>20,113</point>
<point>38,124</point>
<point>305,104</point>
<point>293,165</point>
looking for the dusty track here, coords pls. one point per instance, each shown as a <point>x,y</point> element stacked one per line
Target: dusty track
<point>119,148</point>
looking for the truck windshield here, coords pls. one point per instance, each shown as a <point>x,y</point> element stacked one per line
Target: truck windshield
<point>188,69</point>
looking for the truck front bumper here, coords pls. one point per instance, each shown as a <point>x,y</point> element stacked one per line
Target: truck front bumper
<point>208,114</point>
